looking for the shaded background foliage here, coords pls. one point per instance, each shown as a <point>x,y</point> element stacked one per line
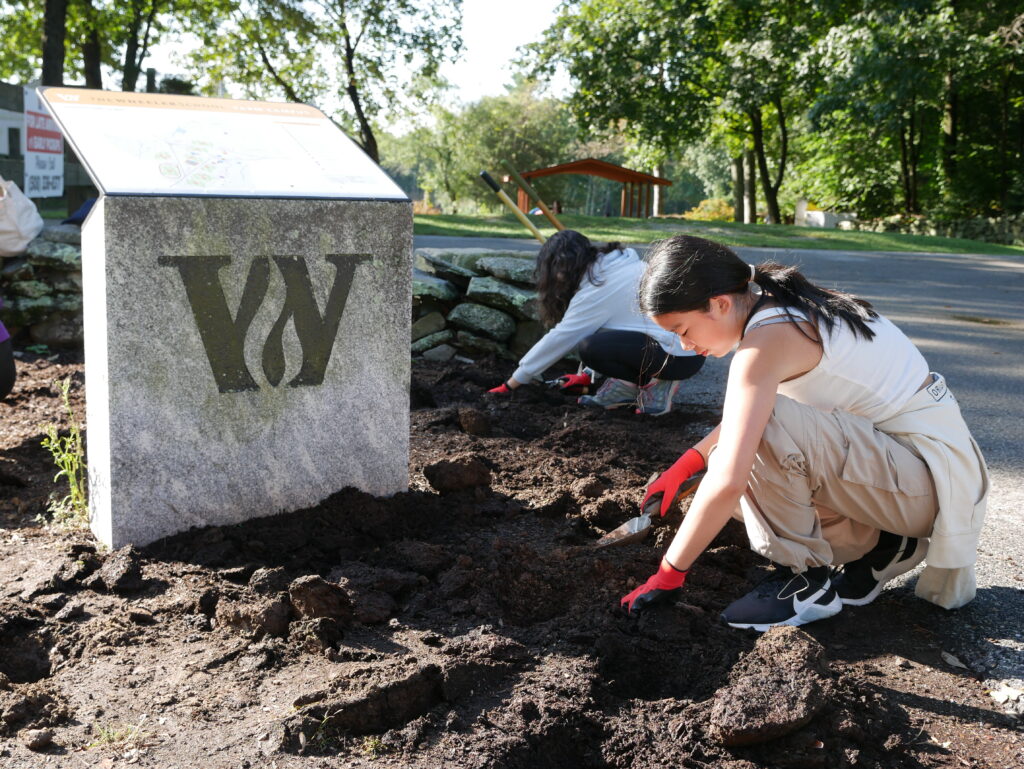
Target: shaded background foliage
<point>888,107</point>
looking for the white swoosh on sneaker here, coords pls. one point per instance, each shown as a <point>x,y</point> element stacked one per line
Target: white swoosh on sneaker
<point>800,606</point>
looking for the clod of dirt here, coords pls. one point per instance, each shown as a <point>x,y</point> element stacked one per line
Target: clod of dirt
<point>459,473</point>
<point>38,739</point>
<point>474,422</point>
<point>25,644</point>
<point>590,487</point>
<point>423,557</point>
<point>777,688</point>
<point>479,659</point>
<point>373,607</point>
<point>268,581</point>
<point>34,706</point>
<point>141,617</point>
<point>74,568</point>
<point>53,602</point>
<point>316,635</point>
<point>263,616</point>
<point>407,695</point>
<point>121,572</point>
<point>313,597</point>
<point>70,611</point>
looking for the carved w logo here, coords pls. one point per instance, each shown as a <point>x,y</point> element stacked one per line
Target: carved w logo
<point>223,337</point>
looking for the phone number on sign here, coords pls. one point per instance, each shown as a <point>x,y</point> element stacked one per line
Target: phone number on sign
<point>43,184</point>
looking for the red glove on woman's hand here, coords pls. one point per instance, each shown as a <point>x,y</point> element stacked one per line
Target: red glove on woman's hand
<point>660,586</point>
<point>676,482</point>
<point>501,389</point>
<point>573,384</point>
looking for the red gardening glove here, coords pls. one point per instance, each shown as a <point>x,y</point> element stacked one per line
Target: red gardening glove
<point>662,584</point>
<point>501,389</point>
<point>676,482</point>
<point>574,384</point>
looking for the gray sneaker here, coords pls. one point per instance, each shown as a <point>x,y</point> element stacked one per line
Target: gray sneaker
<point>657,397</point>
<point>613,394</point>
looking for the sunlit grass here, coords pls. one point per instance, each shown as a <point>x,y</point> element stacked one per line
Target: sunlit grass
<point>782,237</point>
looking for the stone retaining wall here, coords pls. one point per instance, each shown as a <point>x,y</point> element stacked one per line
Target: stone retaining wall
<point>42,288</point>
<point>1007,230</point>
<point>473,302</point>
<point>466,301</point>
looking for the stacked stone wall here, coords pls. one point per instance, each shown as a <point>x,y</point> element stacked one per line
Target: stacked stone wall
<point>1006,230</point>
<point>42,288</point>
<point>469,301</point>
<point>474,302</point>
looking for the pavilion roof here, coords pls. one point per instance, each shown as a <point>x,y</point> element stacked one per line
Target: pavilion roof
<point>595,167</point>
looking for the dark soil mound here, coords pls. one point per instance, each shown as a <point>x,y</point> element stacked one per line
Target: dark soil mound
<point>478,627</point>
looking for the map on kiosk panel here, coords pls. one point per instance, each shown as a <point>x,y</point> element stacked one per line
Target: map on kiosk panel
<point>160,144</point>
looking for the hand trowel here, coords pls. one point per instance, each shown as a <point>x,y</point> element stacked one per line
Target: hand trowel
<point>635,529</point>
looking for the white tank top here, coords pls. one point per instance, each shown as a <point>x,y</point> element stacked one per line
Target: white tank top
<point>873,378</point>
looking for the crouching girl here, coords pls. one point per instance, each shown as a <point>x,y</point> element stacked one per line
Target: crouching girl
<point>846,458</point>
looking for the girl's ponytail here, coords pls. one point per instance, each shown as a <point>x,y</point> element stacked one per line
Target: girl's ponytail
<point>825,306</point>
<point>684,272</point>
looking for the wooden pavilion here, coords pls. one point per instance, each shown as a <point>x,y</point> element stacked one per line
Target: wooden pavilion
<point>637,187</point>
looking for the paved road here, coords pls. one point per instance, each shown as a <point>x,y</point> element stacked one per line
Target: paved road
<point>966,313</point>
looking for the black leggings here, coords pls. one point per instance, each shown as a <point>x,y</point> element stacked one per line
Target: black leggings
<point>6,368</point>
<point>635,357</point>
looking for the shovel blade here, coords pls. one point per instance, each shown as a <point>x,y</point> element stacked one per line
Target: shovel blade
<point>633,530</point>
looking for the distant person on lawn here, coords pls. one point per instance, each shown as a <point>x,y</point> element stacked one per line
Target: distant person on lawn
<point>847,459</point>
<point>588,300</point>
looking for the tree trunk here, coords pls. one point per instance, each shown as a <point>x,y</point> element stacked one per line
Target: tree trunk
<point>904,168</point>
<point>749,188</point>
<point>737,188</point>
<point>129,67</point>
<point>914,149</point>
<point>771,196</point>
<point>92,56</point>
<point>1004,121</point>
<point>55,23</point>
<point>92,48</point>
<point>369,141</point>
<point>137,47</point>
<point>950,130</point>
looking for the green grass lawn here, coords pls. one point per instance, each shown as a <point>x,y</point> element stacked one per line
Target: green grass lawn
<point>763,235</point>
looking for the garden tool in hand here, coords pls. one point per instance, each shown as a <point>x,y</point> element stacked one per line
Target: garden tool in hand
<point>574,384</point>
<point>635,529</point>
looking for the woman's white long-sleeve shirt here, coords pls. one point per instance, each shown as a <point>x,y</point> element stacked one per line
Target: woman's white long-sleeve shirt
<point>609,302</point>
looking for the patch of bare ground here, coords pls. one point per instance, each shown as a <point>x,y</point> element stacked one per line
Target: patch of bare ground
<point>467,623</point>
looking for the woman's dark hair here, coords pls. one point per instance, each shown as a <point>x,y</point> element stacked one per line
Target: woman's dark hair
<point>561,264</point>
<point>684,272</point>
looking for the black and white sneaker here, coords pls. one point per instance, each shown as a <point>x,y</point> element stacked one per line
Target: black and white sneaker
<point>786,598</point>
<point>859,582</point>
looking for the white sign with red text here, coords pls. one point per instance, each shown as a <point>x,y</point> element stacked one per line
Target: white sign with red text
<point>43,150</point>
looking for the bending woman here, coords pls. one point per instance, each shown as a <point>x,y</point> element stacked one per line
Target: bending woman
<point>588,301</point>
<point>837,448</point>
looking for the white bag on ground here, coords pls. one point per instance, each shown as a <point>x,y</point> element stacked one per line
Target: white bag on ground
<point>20,221</point>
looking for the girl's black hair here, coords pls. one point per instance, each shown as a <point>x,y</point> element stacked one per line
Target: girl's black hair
<point>561,264</point>
<point>684,272</point>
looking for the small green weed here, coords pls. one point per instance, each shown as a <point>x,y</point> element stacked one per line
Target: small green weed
<point>68,451</point>
<point>121,737</point>
<point>374,747</point>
